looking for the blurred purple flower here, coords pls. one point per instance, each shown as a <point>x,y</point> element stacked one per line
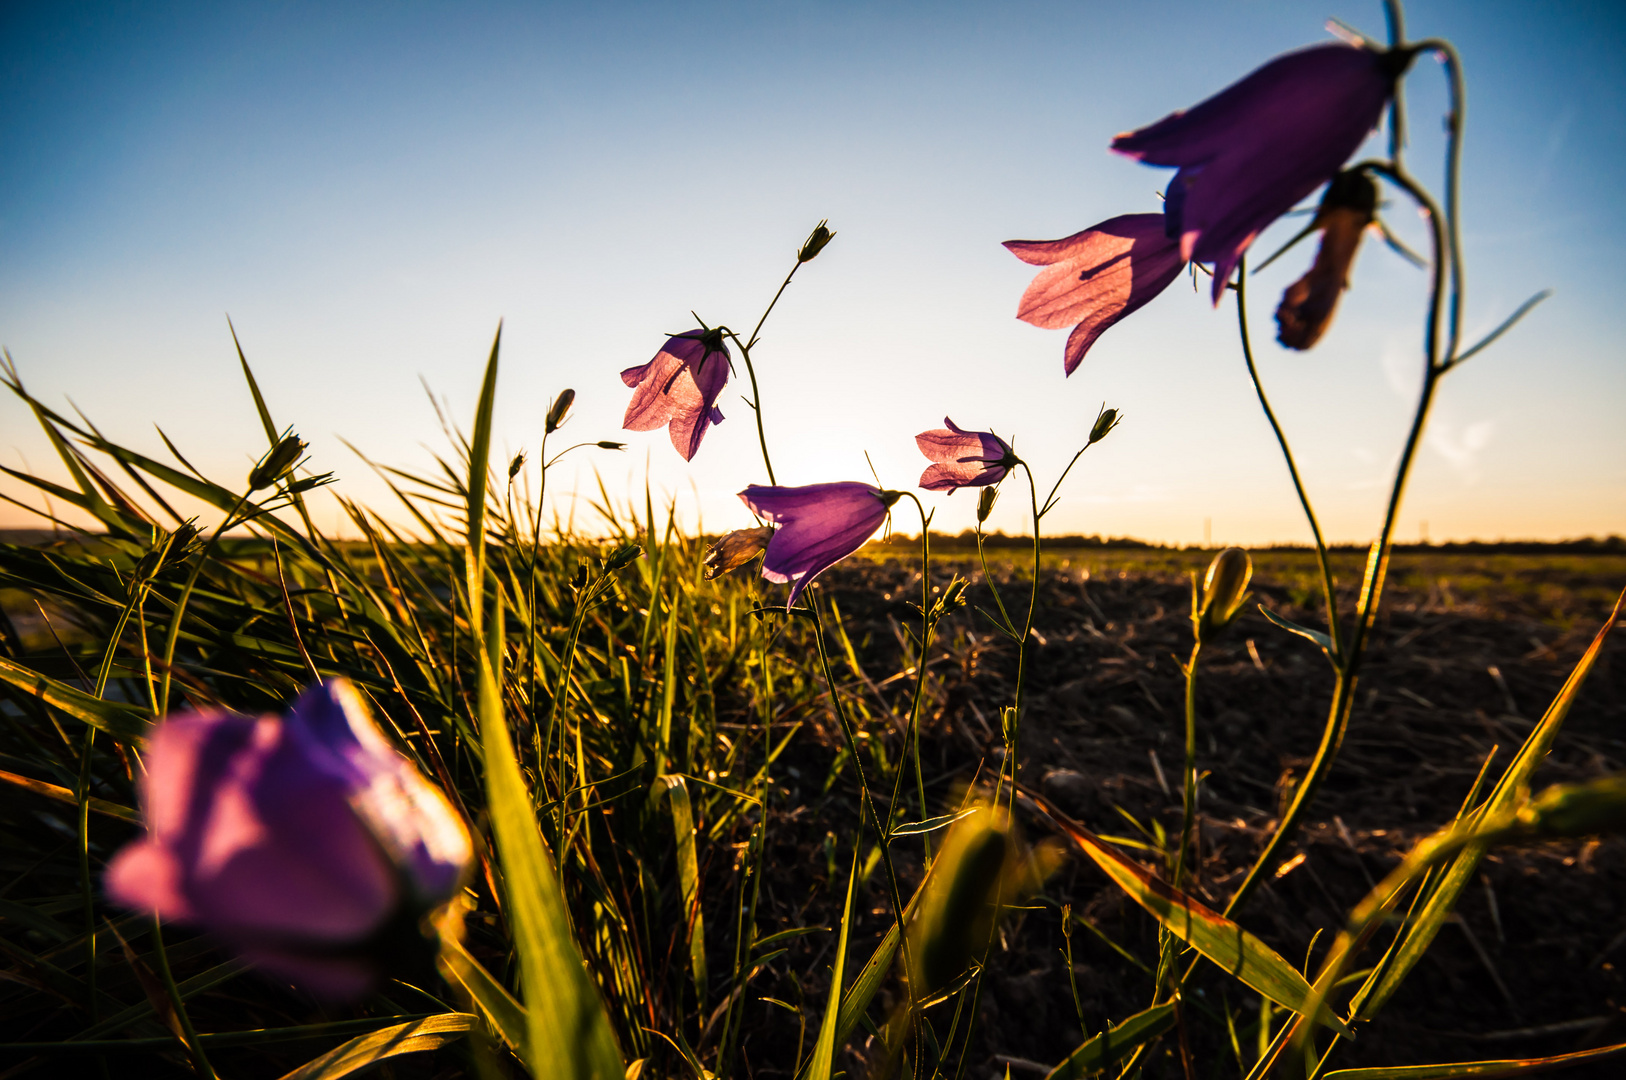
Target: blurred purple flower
<point>1248,154</point>
<point>302,841</point>
<point>678,389</point>
<point>963,458</point>
<point>1096,277</point>
<point>819,525</point>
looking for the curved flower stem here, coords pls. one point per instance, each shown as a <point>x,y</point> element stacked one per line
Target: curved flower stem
<point>1395,15</point>
<point>999,601</point>
<point>751,371</point>
<point>1327,589</point>
<point>1014,740</point>
<point>882,839</point>
<point>193,1046</point>
<point>1349,661</point>
<point>926,625</point>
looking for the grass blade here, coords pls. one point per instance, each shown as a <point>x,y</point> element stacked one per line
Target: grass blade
<point>1222,941</point>
<point>409,1038</point>
<point>505,1015</point>
<point>120,721</point>
<point>677,800</point>
<point>1099,1051</point>
<point>566,1029</point>
<point>1482,1070</point>
<point>479,458</point>
<point>824,1051</point>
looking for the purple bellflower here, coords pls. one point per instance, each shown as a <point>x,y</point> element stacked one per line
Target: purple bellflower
<point>1248,154</point>
<point>819,525</point>
<point>305,842</point>
<point>963,458</point>
<point>678,389</point>
<point>1094,278</point>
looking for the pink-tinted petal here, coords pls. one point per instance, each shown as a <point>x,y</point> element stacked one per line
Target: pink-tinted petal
<point>678,390</point>
<point>1100,275</point>
<point>963,458</point>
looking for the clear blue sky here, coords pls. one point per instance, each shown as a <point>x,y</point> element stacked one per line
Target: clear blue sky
<point>367,189</point>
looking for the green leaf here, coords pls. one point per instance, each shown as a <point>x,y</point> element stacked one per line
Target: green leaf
<point>1512,790</point>
<point>932,824</point>
<point>677,801</point>
<point>824,1051</point>
<point>253,388</point>
<point>1219,939</point>
<point>410,1038</point>
<point>502,1012</point>
<point>479,458</point>
<point>567,1032</point>
<point>1100,1051</point>
<point>1321,640</point>
<point>1483,1070</point>
<point>120,721</point>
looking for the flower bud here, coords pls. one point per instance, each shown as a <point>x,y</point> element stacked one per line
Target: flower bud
<point>283,457</point>
<point>607,444</point>
<point>735,549</point>
<point>625,555</point>
<point>305,484</point>
<point>816,240</point>
<point>561,407</point>
<point>1105,422</point>
<point>1224,589</point>
<point>985,503</point>
<point>516,465</point>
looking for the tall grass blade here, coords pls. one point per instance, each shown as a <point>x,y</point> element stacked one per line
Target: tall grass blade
<point>1481,1070</point>
<point>566,1030</point>
<point>479,458</point>
<point>505,1015</point>
<point>824,1051</point>
<point>120,721</point>
<point>1099,1051</point>
<point>410,1038</point>
<point>1513,788</point>
<point>1222,941</point>
<point>676,793</point>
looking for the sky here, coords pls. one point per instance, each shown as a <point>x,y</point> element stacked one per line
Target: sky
<point>367,189</point>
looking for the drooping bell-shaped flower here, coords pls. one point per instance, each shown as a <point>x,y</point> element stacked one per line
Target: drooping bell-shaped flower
<point>963,458</point>
<point>1252,151</point>
<point>1346,212</point>
<point>305,842</point>
<point>1094,278</point>
<point>678,389</point>
<point>818,526</point>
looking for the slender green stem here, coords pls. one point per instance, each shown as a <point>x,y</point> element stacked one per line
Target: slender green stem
<point>912,729</point>
<point>1013,750</point>
<point>867,801</point>
<point>751,371</point>
<point>1349,662</point>
<point>176,619</point>
<point>199,1059</point>
<point>1327,587</point>
<point>1189,798</point>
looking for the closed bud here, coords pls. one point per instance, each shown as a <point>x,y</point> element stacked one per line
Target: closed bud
<point>622,556</point>
<point>816,240</point>
<point>733,550</point>
<point>1598,806</point>
<point>561,408</point>
<point>307,483</point>
<point>1105,422</point>
<point>608,444</point>
<point>284,456</point>
<point>1224,589</point>
<point>985,503</point>
<point>516,465</point>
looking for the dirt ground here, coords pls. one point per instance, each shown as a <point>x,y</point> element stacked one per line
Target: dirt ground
<point>1468,652</point>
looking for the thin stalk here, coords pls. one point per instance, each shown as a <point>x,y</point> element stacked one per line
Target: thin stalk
<point>190,1036</point>
<point>1349,663</point>
<point>912,729</point>
<point>1012,752</point>
<point>751,371</point>
<point>1189,799</point>
<point>174,634</point>
<point>1327,588</point>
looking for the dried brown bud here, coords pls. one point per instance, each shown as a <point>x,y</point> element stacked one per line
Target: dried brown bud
<point>735,549</point>
<point>516,465</point>
<point>625,555</point>
<point>1308,304</point>
<point>561,407</point>
<point>816,240</point>
<point>607,444</point>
